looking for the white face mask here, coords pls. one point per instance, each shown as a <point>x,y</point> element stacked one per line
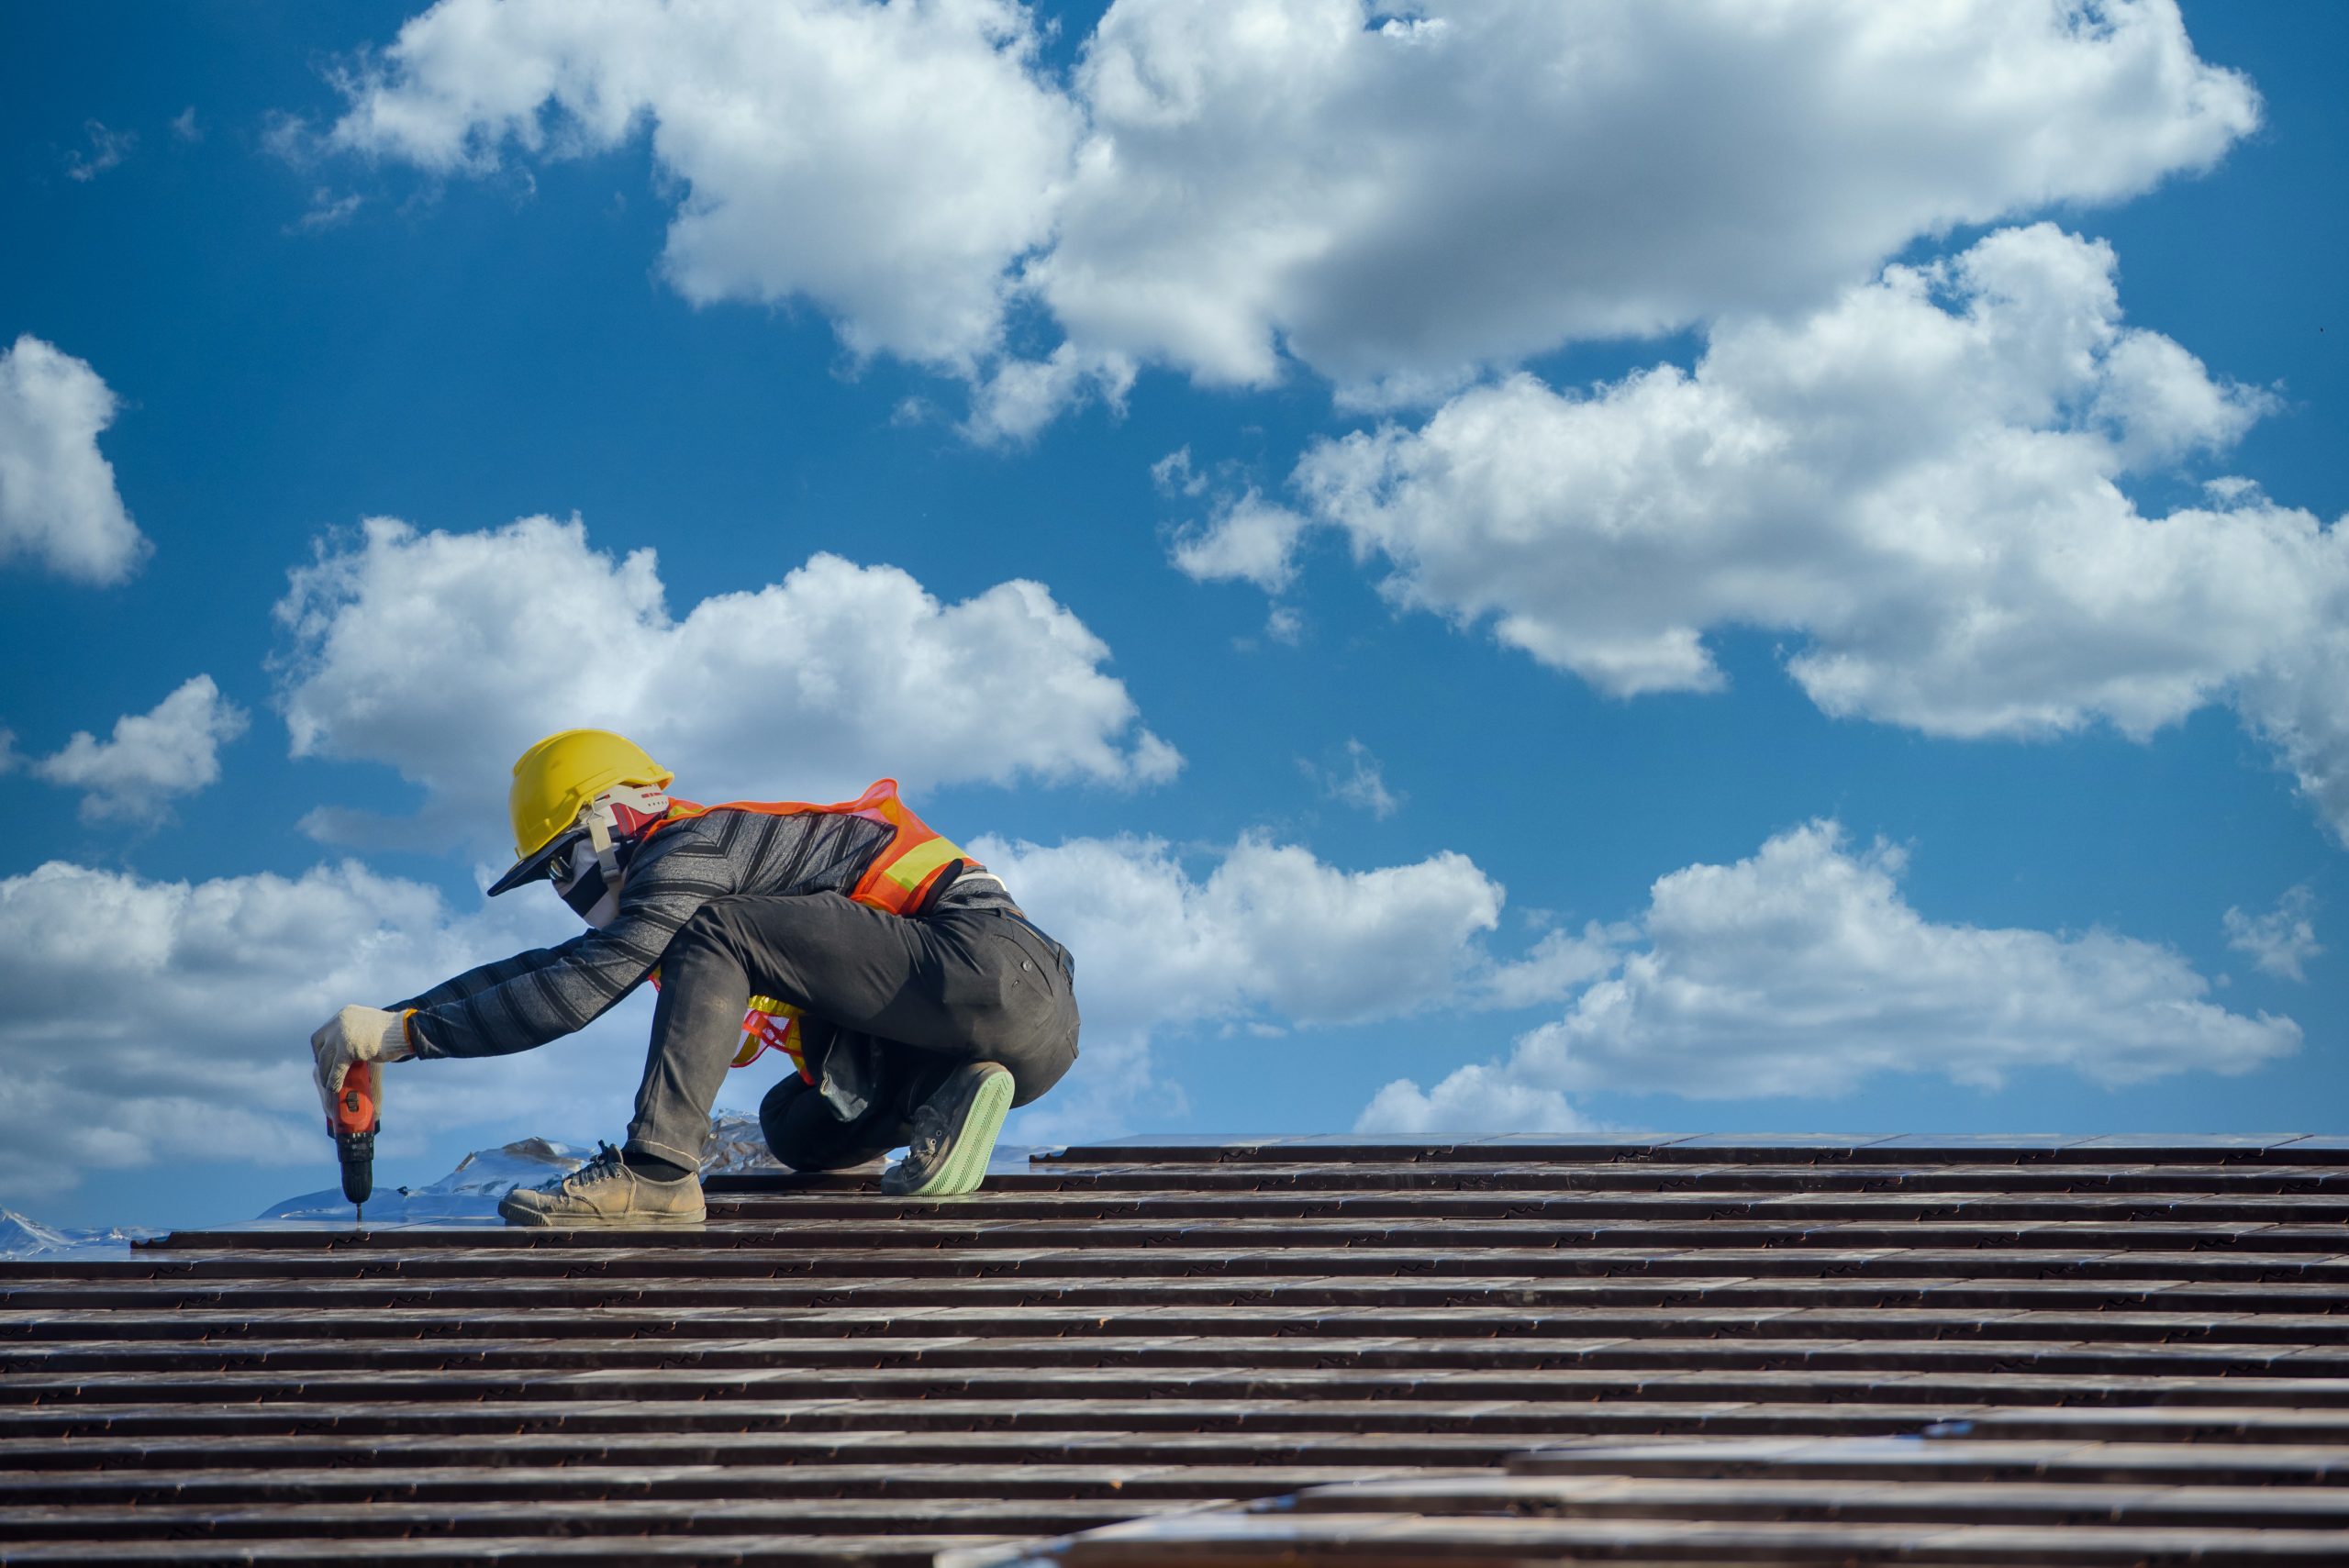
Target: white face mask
<point>606,908</point>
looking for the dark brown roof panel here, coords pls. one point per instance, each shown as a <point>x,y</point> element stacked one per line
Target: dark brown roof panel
<point>1687,1349</point>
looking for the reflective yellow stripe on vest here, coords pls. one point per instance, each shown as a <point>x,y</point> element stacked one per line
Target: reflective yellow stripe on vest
<point>909,871</point>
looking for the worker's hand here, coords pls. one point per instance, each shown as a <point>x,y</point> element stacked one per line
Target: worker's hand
<point>352,1036</point>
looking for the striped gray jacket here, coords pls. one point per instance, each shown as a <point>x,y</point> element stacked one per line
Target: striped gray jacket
<point>518,1003</point>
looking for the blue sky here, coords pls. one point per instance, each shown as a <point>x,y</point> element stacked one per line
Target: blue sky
<point>1986,715</point>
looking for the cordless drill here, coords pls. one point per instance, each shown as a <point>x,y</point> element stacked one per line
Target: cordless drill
<point>356,1118</point>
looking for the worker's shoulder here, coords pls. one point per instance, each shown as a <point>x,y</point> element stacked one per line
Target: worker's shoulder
<point>697,836</point>
<point>752,835</point>
<point>712,823</point>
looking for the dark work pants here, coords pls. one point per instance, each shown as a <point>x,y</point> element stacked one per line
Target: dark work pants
<point>892,1004</point>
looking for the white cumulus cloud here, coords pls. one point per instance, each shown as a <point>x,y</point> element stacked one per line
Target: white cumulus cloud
<point>443,655</point>
<point>1270,936</point>
<point>1249,540</point>
<point>2297,697</point>
<point>150,1022</point>
<point>172,750</point>
<point>1392,194</point>
<point>1922,483</point>
<point>1018,397</point>
<point>1559,964</point>
<point>2281,941</point>
<point>58,503</point>
<point>1400,197</point>
<point>1477,1098</point>
<point>889,162</point>
<point>1802,971</point>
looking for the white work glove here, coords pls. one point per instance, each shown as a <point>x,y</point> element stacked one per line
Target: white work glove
<point>352,1036</point>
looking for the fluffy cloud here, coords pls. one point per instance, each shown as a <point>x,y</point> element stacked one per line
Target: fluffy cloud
<point>2294,698</point>
<point>444,655</point>
<point>1802,971</point>
<point>172,750</point>
<point>1477,1098</point>
<point>1560,963</point>
<point>1271,938</point>
<point>58,503</point>
<point>153,1021</point>
<point>1249,540</point>
<point>889,162</point>
<point>1392,194</point>
<point>1407,197</point>
<point>1020,397</point>
<point>1923,482</point>
<point>2281,941</point>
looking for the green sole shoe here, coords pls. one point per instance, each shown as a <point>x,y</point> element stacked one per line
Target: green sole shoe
<point>954,1134</point>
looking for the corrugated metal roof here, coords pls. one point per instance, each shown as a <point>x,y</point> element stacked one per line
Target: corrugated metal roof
<point>1701,1343</point>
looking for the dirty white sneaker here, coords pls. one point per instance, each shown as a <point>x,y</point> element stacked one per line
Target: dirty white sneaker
<point>605,1192</point>
<point>954,1132</point>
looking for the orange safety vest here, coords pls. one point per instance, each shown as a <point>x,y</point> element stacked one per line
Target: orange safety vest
<point>898,881</point>
<point>901,876</point>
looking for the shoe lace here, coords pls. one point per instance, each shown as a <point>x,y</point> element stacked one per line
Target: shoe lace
<point>607,1161</point>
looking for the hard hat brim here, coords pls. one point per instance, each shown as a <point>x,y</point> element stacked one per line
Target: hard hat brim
<point>531,867</point>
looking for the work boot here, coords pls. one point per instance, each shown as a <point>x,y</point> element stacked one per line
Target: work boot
<point>605,1192</point>
<point>953,1134</point>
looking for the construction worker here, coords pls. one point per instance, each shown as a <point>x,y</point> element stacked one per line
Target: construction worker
<point>914,996</point>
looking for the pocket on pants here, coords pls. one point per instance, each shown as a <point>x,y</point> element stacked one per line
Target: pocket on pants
<point>1029,985</point>
<point>1033,1029</point>
<point>1039,959</point>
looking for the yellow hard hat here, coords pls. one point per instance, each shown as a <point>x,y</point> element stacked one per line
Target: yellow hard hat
<point>555,779</point>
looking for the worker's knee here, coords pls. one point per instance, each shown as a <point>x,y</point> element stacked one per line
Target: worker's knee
<point>720,945</point>
<point>718,925</point>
